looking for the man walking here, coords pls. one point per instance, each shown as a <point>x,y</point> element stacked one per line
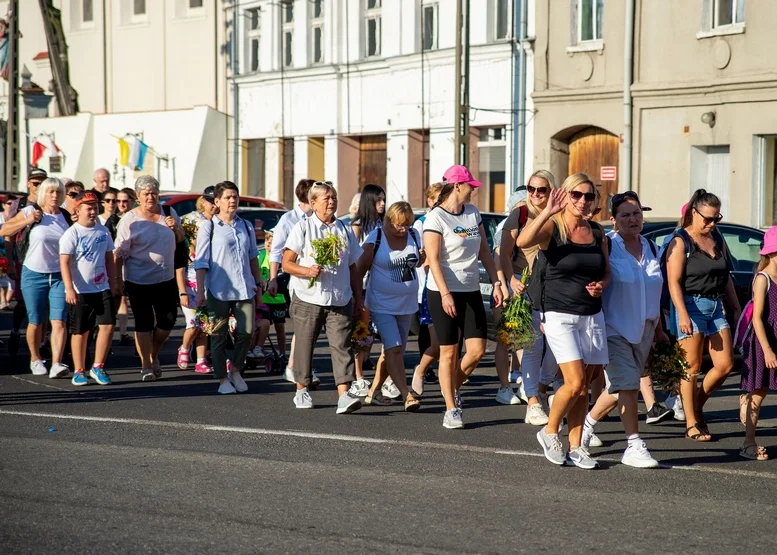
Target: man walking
<point>102,181</point>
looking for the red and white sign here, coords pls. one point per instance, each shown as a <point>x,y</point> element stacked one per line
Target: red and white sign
<point>608,173</point>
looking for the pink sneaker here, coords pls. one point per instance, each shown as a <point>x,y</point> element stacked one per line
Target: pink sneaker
<point>183,358</point>
<point>203,368</point>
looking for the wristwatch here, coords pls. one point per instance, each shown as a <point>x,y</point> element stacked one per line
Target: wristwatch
<point>497,282</point>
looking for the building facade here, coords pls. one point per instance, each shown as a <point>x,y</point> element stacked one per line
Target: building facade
<point>363,91</point>
<point>704,100</point>
<point>154,70</point>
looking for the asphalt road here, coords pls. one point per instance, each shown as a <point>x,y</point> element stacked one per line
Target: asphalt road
<point>172,467</point>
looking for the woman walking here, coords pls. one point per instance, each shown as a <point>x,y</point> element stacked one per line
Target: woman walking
<point>227,269</point>
<point>538,366</point>
<point>454,239</point>
<point>42,224</point>
<point>632,311</point>
<point>391,254</point>
<point>186,279</point>
<point>332,299</point>
<point>576,274</point>
<point>698,274</point>
<point>145,251</point>
<point>372,209</point>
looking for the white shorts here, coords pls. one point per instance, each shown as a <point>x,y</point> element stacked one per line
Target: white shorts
<point>393,329</point>
<point>573,337</point>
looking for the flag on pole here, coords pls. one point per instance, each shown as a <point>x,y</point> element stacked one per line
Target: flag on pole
<point>41,144</point>
<point>137,154</point>
<point>124,152</point>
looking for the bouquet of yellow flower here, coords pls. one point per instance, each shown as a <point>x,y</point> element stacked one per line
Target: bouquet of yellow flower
<point>515,328</point>
<point>327,252</point>
<point>668,366</point>
<point>190,232</point>
<point>207,322</point>
<point>361,337</point>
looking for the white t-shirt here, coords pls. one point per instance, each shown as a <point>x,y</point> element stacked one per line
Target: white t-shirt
<point>43,242</point>
<point>87,247</point>
<point>459,248</point>
<point>147,248</point>
<point>393,284</point>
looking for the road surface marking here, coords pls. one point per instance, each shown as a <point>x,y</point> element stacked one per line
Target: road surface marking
<point>356,439</point>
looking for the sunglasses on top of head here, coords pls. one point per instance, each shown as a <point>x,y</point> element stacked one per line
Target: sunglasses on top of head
<point>708,221</point>
<point>577,195</point>
<point>537,190</point>
<point>74,194</point>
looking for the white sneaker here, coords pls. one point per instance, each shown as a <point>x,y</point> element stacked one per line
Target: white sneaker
<point>302,399</point>
<point>348,403</point>
<point>675,403</point>
<point>506,396</point>
<point>522,393</point>
<point>581,459</point>
<point>59,370</point>
<point>390,390</point>
<point>638,456</point>
<point>257,353</point>
<point>314,379</point>
<point>515,377</point>
<point>237,380</point>
<point>452,419</point>
<point>590,439</point>
<point>38,368</point>
<point>288,375</point>
<point>360,388</point>
<point>535,415</point>
<point>226,388</point>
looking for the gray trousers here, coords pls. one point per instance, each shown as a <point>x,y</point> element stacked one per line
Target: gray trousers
<point>243,311</point>
<point>308,321</point>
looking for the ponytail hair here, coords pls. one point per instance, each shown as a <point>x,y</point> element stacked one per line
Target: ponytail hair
<point>763,263</point>
<point>445,192</point>
<point>699,198</point>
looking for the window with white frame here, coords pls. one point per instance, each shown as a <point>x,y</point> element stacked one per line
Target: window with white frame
<point>728,12</point>
<point>502,19</point>
<point>87,11</point>
<point>589,20</point>
<point>317,31</point>
<point>372,28</point>
<point>430,26</point>
<point>253,34</point>
<point>287,32</point>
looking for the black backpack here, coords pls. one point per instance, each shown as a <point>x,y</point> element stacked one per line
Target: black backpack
<point>536,286</point>
<point>22,241</point>
<point>181,257</point>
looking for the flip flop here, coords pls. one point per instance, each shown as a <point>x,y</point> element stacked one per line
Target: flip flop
<point>754,453</point>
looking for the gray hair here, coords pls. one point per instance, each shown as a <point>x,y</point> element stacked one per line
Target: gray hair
<point>48,184</point>
<point>146,182</point>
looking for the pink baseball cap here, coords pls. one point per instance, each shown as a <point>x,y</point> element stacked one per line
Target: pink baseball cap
<point>460,174</point>
<point>684,209</point>
<point>770,242</point>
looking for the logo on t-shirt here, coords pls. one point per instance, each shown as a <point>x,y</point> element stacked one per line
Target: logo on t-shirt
<point>88,249</point>
<point>403,269</point>
<point>465,232</point>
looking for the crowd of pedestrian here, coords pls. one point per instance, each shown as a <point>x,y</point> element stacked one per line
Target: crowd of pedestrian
<point>78,260</point>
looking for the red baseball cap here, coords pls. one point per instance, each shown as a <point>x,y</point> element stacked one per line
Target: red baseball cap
<point>460,174</point>
<point>88,198</point>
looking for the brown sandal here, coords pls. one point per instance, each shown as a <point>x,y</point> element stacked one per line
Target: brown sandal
<point>754,453</point>
<point>699,436</point>
<point>412,404</point>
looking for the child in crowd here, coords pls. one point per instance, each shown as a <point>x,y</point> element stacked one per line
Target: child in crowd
<point>759,372</point>
<point>89,274</point>
<point>276,305</point>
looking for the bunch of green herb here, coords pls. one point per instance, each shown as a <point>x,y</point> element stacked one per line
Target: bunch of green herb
<point>668,366</point>
<point>327,252</point>
<point>515,328</point>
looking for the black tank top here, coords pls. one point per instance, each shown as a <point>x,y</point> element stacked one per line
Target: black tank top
<point>705,276</point>
<point>570,267</point>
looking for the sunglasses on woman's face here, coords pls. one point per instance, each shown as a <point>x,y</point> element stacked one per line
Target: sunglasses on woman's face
<point>110,201</point>
<point>537,190</point>
<point>707,220</point>
<point>577,195</point>
<point>122,201</point>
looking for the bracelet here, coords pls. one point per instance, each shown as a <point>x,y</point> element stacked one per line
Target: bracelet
<point>446,294</point>
<point>497,282</point>
<point>183,294</point>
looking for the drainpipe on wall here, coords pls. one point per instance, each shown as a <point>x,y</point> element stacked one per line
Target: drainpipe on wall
<point>524,19</point>
<point>235,99</point>
<point>628,79</point>
<point>518,147</point>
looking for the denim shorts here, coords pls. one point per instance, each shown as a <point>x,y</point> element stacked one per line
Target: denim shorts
<point>40,290</point>
<point>706,316</point>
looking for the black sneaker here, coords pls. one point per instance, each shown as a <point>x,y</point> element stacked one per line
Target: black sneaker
<point>430,377</point>
<point>657,413</point>
<point>13,344</point>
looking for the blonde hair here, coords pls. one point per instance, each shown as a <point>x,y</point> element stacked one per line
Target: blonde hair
<point>549,179</point>
<point>433,190</point>
<point>318,189</point>
<point>570,183</point>
<point>201,203</point>
<point>48,184</point>
<point>397,211</point>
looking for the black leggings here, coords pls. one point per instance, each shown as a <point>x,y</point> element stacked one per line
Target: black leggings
<point>470,317</point>
<point>154,301</point>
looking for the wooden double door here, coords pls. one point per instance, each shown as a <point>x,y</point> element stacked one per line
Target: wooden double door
<point>589,151</point>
